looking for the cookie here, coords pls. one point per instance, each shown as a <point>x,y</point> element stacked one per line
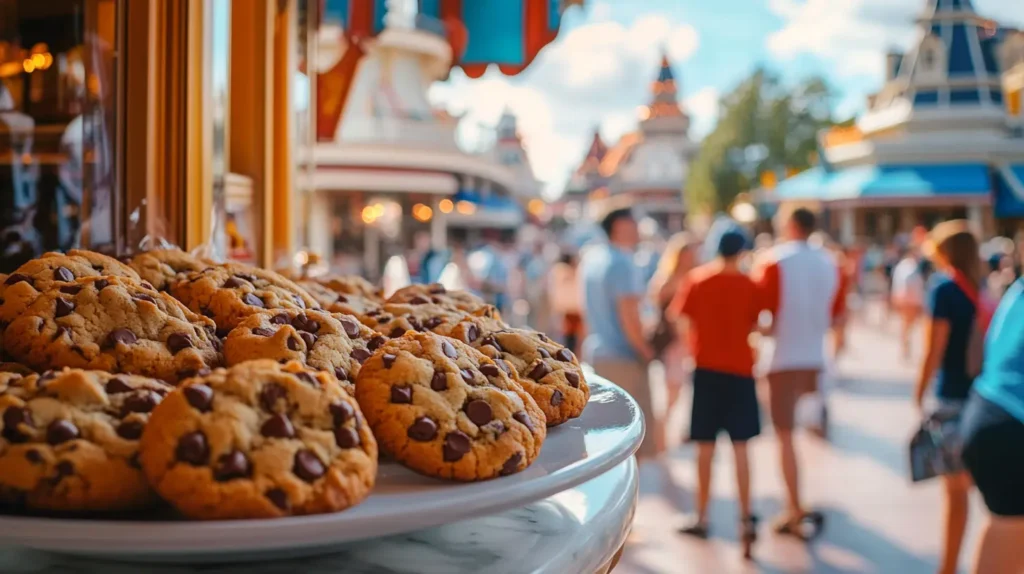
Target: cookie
<point>437,294</point>
<point>352,285</point>
<point>15,368</point>
<point>445,410</point>
<point>548,371</point>
<point>113,324</point>
<point>231,292</point>
<point>259,440</point>
<point>338,344</point>
<point>70,440</point>
<point>163,267</point>
<point>394,320</point>
<point>52,270</point>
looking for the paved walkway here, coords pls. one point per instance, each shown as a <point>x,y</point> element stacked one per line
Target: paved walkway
<point>876,521</point>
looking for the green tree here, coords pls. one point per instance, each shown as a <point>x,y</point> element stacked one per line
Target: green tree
<point>763,125</point>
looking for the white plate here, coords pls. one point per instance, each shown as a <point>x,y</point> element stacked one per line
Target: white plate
<point>607,433</point>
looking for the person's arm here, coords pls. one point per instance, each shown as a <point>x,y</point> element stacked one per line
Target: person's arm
<point>768,282</point>
<point>839,302</point>
<point>936,338</point>
<point>629,315</point>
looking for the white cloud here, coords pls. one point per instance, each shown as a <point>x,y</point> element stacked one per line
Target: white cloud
<point>597,73</point>
<point>703,109</point>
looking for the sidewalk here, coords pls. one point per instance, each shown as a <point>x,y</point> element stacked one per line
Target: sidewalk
<point>876,521</point>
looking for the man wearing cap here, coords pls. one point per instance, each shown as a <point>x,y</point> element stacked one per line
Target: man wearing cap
<point>800,286</point>
<point>720,305</point>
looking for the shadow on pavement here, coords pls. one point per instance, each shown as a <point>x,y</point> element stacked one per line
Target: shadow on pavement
<point>854,440</point>
<point>876,388</point>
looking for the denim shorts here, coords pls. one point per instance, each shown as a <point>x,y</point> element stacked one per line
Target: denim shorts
<point>724,402</point>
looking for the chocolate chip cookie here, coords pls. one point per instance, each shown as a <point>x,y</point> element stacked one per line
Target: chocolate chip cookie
<point>351,285</point>
<point>231,292</point>
<point>548,371</point>
<point>259,440</point>
<point>113,324</point>
<point>163,267</point>
<point>70,440</point>
<point>437,294</point>
<point>394,320</point>
<point>337,343</point>
<point>443,409</point>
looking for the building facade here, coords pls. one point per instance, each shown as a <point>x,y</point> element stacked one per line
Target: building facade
<point>942,139</point>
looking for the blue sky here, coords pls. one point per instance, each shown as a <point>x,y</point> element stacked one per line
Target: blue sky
<point>599,69</point>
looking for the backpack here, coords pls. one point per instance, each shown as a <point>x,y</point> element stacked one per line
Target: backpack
<point>984,309</point>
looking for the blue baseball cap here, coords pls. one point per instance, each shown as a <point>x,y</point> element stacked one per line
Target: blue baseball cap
<point>732,243</point>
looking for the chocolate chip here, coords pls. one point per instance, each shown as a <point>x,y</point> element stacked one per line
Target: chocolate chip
<point>60,332</point>
<point>504,366</point>
<point>115,386</point>
<point>540,371</point>
<point>346,437</point>
<point>344,299</point>
<point>573,379</point>
<point>512,464</point>
<point>144,297</point>
<point>13,418</point>
<point>206,312</point>
<point>61,431</point>
<point>396,332</point>
<point>493,342</point>
<point>251,299</point>
<point>231,466</point>
<point>351,328</point>
<point>63,274</point>
<point>143,402</point>
<point>46,377</point>
<point>456,444</point>
<point>101,284</point>
<point>307,378</point>
<point>222,333</point>
<point>543,337</point>
<point>370,313</point>
<point>278,498</point>
<point>468,376</point>
<point>294,344</point>
<point>375,343</point>
<point>361,355</point>
<point>178,342</point>
<point>439,381</point>
<point>32,455</point>
<point>449,350</point>
<point>17,278</point>
<point>263,332</point>
<point>270,394</point>
<point>432,323</point>
<point>147,285</point>
<point>472,333</point>
<point>307,466</point>
<point>280,319</point>
<point>437,289</point>
<point>479,412</point>
<point>130,430</point>
<point>490,370</point>
<point>247,276</point>
<point>64,468</point>
<point>233,282</point>
<point>302,322</point>
<point>543,352</point>
<point>523,418</point>
<point>341,373</point>
<point>278,426</point>
<point>402,395</point>
<point>383,319</point>
<point>341,412</point>
<point>123,336</point>
<point>389,360</point>
<point>71,289</point>
<point>192,449</point>
<point>189,373</point>
<point>423,429</point>
<point>299,301</point>
<point>63,308</point>
<point>556,398</point>
<point>199,396</point>
<point>419,300</point>
<point>564,355</point>
<point>309,338</point>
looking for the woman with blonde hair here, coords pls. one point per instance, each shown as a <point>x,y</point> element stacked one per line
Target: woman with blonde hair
<point>679,257</point>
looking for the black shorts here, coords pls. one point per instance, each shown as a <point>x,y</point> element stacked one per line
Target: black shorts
<point>723,402</point>
<point>993,440</point>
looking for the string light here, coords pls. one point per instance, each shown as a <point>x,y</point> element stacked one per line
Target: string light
<point>445,206</point>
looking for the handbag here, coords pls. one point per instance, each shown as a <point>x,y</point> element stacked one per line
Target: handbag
<point>936,446</point>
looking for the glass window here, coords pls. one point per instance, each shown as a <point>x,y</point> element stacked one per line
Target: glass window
<point>58,85</point>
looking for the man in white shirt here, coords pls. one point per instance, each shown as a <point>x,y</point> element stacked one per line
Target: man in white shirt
<point>908,297</point>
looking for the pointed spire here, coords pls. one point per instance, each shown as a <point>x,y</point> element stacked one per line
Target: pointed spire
<point>665,73</point>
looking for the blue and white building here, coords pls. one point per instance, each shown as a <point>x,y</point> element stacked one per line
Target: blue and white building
<point>941,139</point>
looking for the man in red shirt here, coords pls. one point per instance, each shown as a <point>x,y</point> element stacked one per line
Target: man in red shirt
<point>721,305</point>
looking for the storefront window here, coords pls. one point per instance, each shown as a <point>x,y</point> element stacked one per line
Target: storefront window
<point>58,85</point>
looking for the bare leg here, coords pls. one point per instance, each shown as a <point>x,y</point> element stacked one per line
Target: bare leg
<point>790,473</point>
<point>705,455</point>
<point>956,488</point>
<point>739,450</point>
<point>999,550</point>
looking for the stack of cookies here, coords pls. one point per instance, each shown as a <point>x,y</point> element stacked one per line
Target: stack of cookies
<point>230,391</point>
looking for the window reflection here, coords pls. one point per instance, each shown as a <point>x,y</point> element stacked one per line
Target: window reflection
<point>57,94</point>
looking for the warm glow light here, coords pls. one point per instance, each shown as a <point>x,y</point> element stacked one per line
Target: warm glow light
<point>535,207</point>
<point>422,212</point>
<point>372,213</point>
<point>47,60</point>
<point>29,66</point>
<point>446,206</point>
<point>465,207</point>
<point>39,61</point>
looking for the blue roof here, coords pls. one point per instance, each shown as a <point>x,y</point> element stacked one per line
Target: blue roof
<point>887,182</point>
<point>1009,191</point>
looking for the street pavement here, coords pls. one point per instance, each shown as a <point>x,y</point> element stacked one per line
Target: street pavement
<point>877,521</point>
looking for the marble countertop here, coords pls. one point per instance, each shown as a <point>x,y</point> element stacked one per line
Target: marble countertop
<point>575,531</point>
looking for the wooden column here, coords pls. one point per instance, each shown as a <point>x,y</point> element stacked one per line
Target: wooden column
<point>284,64</point>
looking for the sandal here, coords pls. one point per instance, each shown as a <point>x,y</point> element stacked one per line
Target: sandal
<point>697,529</point>
<point>748,535</point>
<point>806,527</point>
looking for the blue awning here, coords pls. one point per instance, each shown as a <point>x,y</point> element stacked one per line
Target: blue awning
<point>1009,191</point>
<point>888,182</point>
<point>492,201</point>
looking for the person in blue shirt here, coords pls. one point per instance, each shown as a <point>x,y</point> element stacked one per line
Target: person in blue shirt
<point>992,429</point>
<point>612,295</point>
<point>952,297</point>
